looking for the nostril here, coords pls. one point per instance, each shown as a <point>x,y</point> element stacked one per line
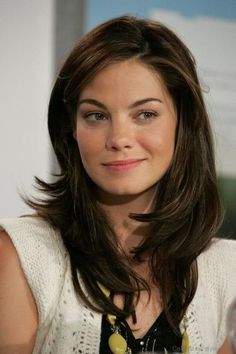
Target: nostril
<point>118,144</point>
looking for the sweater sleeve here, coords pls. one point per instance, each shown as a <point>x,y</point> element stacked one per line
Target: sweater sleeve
<point>43,260</point>
<point>223,258</point>
<point>227,262</point>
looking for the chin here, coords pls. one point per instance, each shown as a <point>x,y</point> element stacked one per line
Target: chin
<point>125,191</point>
<point>122,192</point>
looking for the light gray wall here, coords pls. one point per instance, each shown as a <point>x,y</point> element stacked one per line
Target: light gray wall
<point>26,37</point>
<point>34,36</point>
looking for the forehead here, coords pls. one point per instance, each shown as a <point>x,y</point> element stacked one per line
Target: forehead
<point>129,79</point>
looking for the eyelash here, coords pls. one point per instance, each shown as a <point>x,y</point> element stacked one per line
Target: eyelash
<point>89,116</point>
<point>152,115</point>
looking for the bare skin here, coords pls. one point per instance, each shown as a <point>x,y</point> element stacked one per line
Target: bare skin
<point>130,233</point>
<point>147,310</point>
<point>18,312</point>
<point>226,348</point>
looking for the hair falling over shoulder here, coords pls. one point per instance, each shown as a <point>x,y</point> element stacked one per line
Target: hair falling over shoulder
<point>187,212</point>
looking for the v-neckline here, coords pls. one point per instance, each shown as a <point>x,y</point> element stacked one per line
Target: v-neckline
<point>159,322</point>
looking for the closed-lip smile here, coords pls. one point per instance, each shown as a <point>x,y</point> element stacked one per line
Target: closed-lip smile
<point>120,165</point>
<point>122,162</point>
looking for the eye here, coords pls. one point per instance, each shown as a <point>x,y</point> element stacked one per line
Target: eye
<point>147,115</point>
<point>94,116</point>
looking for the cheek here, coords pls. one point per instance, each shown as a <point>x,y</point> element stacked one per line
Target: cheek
<point>89,144</point>
<point>85,148</point>
<point>160,141</point>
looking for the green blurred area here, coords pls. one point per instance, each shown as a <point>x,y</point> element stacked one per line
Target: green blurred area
<point>227,187</point>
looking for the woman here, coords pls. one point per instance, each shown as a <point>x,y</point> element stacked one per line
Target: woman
<point>119,256</point>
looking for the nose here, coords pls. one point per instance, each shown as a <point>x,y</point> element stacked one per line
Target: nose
<point>119,137</point>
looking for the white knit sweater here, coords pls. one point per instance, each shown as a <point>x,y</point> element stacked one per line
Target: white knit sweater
<point>67,326</point>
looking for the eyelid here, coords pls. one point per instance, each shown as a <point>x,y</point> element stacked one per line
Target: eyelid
<point>89,114</point>
<point>84,108</point>
<point>150,111</point>
<point>147,111</point>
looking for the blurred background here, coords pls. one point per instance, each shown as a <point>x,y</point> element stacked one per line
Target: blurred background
<point>35,38</point>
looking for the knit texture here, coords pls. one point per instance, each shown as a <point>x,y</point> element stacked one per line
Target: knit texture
<point>68,326</point>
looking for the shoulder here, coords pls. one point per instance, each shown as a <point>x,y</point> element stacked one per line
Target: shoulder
<point>7,250</point>
<point>18,311</point>
<point>33,234</point>
<point>38,245</point>
<point>9,261</point>
<point>221,252</point>
<point>42,257</point>
<point>28,226</point>
<point>216,286</point>
<point>218,263</point>
<point>8,255</point>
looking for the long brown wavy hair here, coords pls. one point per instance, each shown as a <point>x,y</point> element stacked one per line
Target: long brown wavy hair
<point>187,211</point>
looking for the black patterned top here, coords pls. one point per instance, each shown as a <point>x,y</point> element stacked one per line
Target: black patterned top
<point>160,337</point>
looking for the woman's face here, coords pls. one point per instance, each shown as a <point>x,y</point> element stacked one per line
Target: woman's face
<point>125,129</point>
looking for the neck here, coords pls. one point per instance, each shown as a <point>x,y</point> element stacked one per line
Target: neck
<point>129,232</point>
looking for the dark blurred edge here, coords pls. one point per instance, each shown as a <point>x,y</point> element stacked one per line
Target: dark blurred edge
<point>70,18</point>
<point>69,25</point>
<point>227,186</point>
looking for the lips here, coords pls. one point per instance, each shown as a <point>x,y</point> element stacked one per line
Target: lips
<point>121,165</point>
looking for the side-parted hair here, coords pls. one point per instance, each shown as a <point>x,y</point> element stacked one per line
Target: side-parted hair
<point>187,213</point>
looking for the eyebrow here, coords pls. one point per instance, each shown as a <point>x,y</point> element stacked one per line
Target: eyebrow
<point>133,105</point>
